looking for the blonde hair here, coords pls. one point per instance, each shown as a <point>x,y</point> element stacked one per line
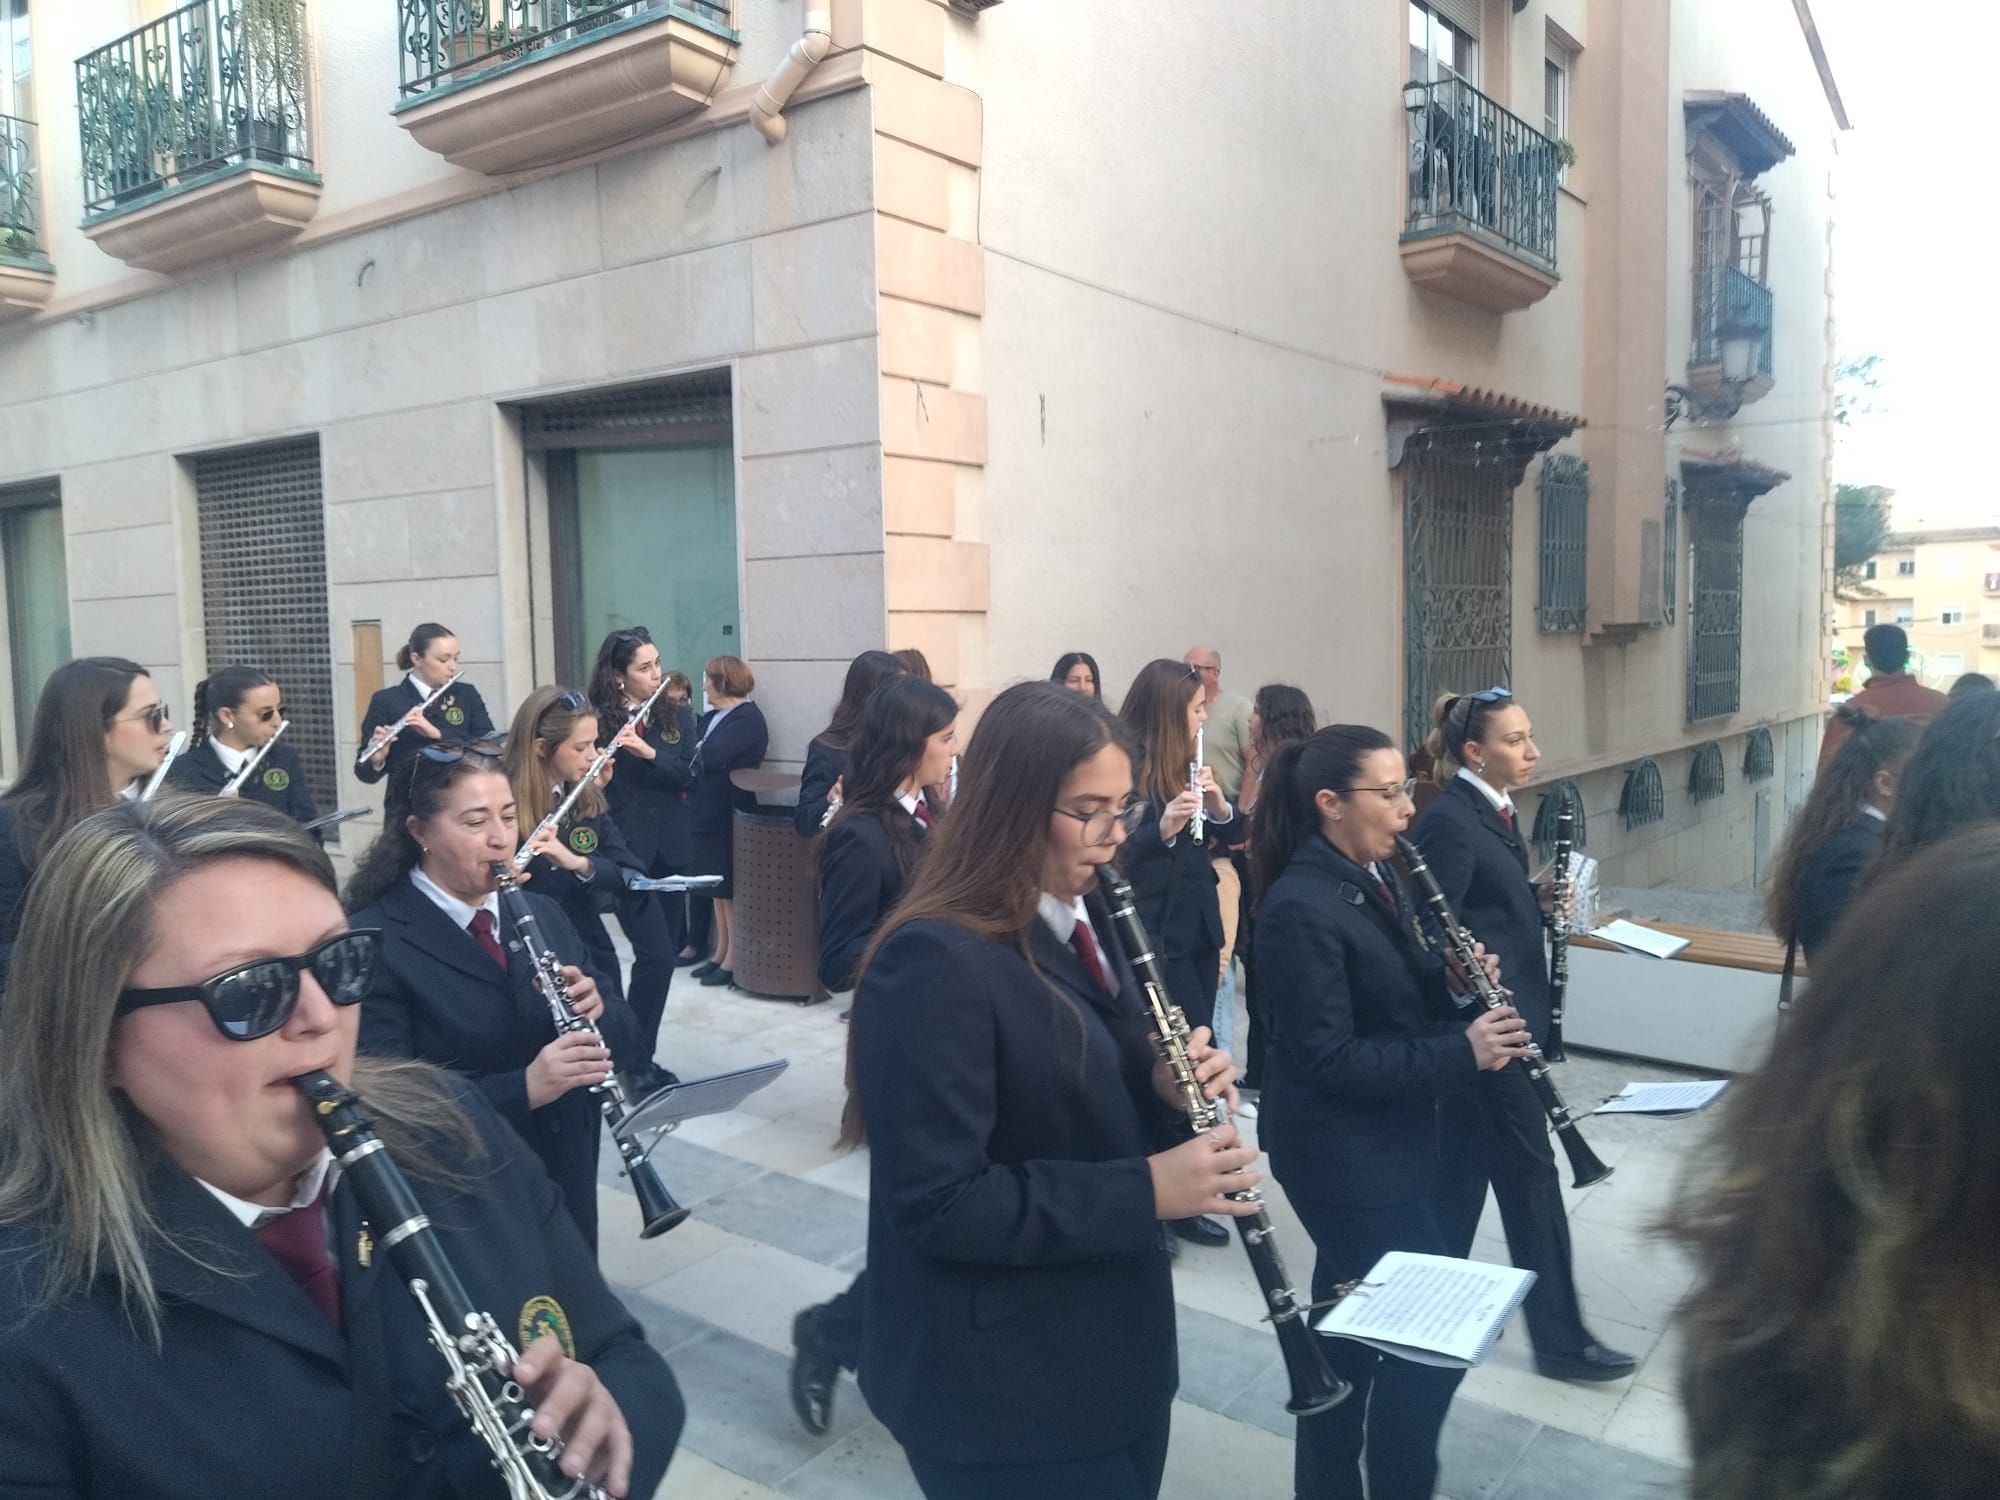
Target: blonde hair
<point>544,719</point>
<point>1458,720</point>
<point>72,1154</point>
<point>730,675</point>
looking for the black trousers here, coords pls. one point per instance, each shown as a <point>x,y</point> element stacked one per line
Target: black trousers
<point>1497,1131</point>
<point>1192,982</point>
<point>1391,1422</point>
<point>1131,1473</point>
<point>648,928</point>
<point>839,1322</point>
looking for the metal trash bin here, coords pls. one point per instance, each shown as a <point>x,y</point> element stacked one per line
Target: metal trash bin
<point>775,949</point>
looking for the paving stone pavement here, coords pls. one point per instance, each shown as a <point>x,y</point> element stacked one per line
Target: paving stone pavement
<point>779,1222</point>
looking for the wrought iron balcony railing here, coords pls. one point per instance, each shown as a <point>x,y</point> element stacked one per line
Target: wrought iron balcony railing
<point>1727,299</point>
<point>447,42</point>
<point>20,206</point>
<point>213,86</point>
<point>1475,168</point>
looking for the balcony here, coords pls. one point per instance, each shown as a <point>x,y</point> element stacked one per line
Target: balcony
<point>196,134</point>
<point>26,277</point>
<point>1730,306</point>
<point>1482,215</point>
<point>501,86</point>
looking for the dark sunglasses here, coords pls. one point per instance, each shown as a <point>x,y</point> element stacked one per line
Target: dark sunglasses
<point>256,999</point>
<point>570,700</point>
<point>445,755</point>
<point>156,717</point>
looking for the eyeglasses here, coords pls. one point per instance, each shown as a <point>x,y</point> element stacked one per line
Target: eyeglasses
<point>1098,826</point>
<point>156,717</point>
<point>1390,793</point>
<point>256,999</point>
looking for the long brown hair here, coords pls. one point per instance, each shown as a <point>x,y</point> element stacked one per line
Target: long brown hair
<point>1873,744</point>
<point>1841,1327</point>
<point>1951,782</point>
<point>73,1156</point>
<point>65,776</point>
<point>982,869</point>
<point>1156,709</point>
<point>547,717</point>
<point>887,747</point>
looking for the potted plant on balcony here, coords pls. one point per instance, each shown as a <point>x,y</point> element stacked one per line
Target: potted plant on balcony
<point>271,44</point>
<point>122,118</point>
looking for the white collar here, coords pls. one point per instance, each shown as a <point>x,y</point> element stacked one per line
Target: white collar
<point>1870,810</point>
<point>132,790</point>
<point>909,801</point>
<point>1062,916</point>
<point>1500,800</point>
<point>232,759</point>
<point>450,905</point>
<point>256,1215</point>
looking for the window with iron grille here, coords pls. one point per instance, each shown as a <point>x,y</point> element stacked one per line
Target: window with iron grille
<point>263,586</point>
<point>1715,621</point>
<point>1458,505</point>
<point>1705,774</point>
<point>1546,811</point>
<point>1643,798</point>
<point>1565,518</point>
<point>687,409</point>
<point>1760,761</point>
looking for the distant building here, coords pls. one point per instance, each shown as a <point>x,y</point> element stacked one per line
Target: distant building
<point>1943,587</point>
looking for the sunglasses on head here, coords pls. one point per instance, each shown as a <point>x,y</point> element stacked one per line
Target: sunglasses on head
<point>448,754</point>
<point>255,999</point>
<point>638,635</point>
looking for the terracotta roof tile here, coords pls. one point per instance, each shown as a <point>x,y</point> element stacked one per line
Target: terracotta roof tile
<point>1478,400</point>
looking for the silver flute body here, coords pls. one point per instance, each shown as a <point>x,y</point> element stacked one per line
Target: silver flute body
<point>1200,819</point>
<point>523,854</point>
<point>174,748</point>
<point>479,1360</point>
<point>248,769</point>
<point>387,734</point>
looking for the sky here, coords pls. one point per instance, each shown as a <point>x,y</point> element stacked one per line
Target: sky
<point>1916,235</point>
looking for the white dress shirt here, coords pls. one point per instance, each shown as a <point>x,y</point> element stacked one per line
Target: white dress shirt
<point>256,1215</point>
<point>1500,800</point>
<point>451,906</point>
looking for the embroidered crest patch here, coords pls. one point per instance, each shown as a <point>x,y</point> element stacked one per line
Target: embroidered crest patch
<point>277,778</point>
<point>583,840</point>
<point>544,1315</point>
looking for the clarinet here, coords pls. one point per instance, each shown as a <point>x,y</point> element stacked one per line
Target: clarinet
<point>477,1355</point>
<point>253,760</point>
<point>1582,1160</point>
<point>1559,927</point>
<point>523,856</point>
<point>1315,1388</point>
<point>657,1210</point>
<point>1199,820</point>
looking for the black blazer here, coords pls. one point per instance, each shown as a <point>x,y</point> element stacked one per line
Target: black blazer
<point>1010,1111</point>
<point>253,1393</point>
<point>859,880</point>
<point>649,798</point>
<point>1830,878</point>
<point>738,744</point>
<point>439,997</point>
<point>1364,1036</point>
<point>279,780</point>
<point>1175,887</point>
<point>824,766</point>
<point>1482,867</point>
<point>460,715</point>
<point>14,878</point>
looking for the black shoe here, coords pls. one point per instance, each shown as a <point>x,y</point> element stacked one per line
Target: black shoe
<point>1200,1231</point>
<point>715,977</point>
<point>682,961</point>
<point>814,1373</point>
<point>703,969</point>
<point>643,1083</point>
<point>1592,1362</point>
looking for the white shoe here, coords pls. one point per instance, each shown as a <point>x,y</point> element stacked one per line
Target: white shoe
<point>1247,1110</point>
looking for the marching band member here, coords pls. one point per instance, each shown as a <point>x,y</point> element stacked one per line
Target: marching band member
<point>1279,715</point>
<point>1019,1333</point>
<point>1364,1043</point>
<point>237,712</point>
<point>1497,1130</point>
<point>191,1303</point>
<point>1950,783</point>
<point>733,738</point>
<point>1077,671</point>
<point>826,754</point>
<point>580,863</point>
<point>100,729</point>
<point>647,795</point>
<point>428,659</point>
<point>904,742</point>
<point>1837,834</point>
<point>452,989</point>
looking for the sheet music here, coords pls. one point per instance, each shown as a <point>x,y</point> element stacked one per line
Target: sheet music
<point>1430,1308</point>
<point>1663,1098</point>
<point>1637,939</point>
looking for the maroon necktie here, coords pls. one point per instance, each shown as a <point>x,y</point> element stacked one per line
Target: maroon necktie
<point>1384,894</point>
<point>481,928</point>
<point>922,813</point>
<point>1084,941</point>
<point>1507,817</point>
<point>297,1241</point>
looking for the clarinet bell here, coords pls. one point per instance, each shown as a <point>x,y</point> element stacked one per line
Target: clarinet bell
<point>657,1209</point>
<point>1583,1161</point>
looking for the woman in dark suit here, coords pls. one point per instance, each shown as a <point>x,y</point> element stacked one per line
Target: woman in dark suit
<point>236,713</point>
<point>905,741</point>
<point>733,738</point>
<point>581,864</point>
<point>1019,1334</point>
<point>100,729</point>
<point>1364,1044</point>
<point>1835,837</point>
<point>191,1304</point>
<point>826,755</point>
<point>428,659</point>
<point>1483,748</point>
<point>455,989</point>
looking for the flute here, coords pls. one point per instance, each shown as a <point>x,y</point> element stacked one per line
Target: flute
<point>1200,818</point>
<point>524,854</point>
<point>1583,1161</point>
<point>174,747</point>
<point>386,735</point>
<point>251,762</point>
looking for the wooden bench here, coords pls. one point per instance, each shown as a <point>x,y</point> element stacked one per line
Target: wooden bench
<point>1711,1006</point>
<point>1757,951</point>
